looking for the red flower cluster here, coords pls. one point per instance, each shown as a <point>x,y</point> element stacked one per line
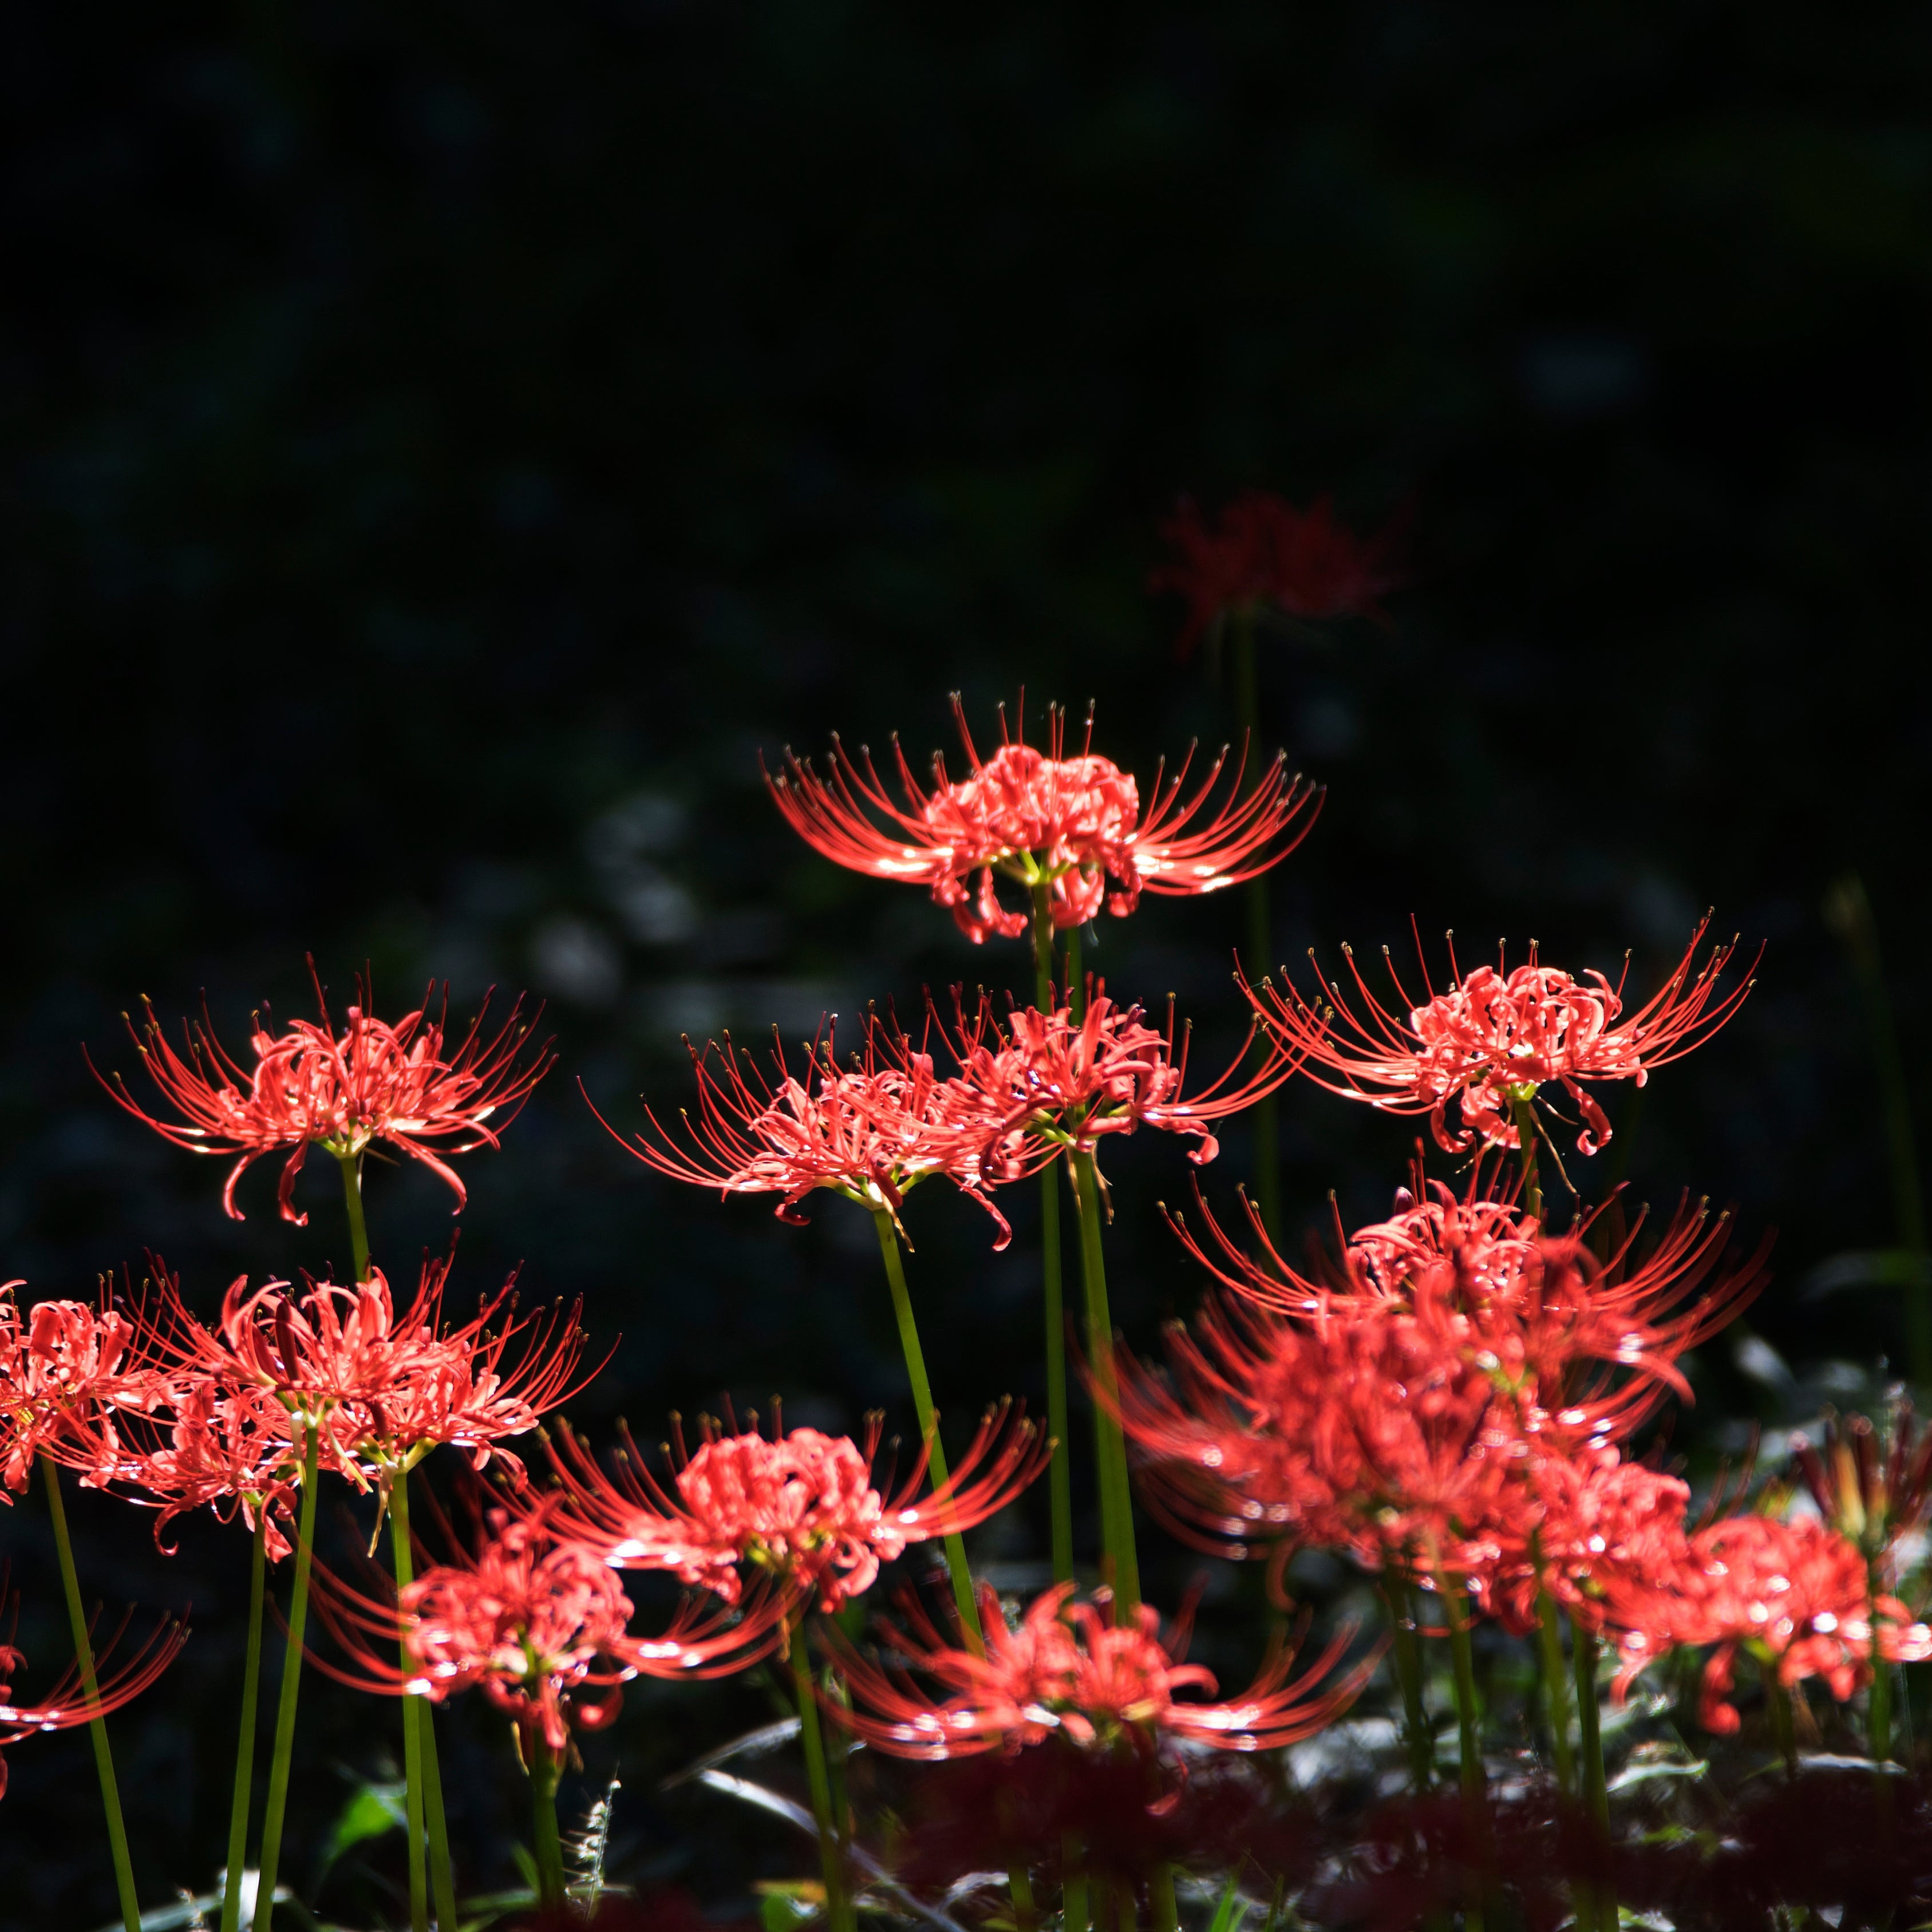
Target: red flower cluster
<point>1496,1036</point>
<point>1043,819</point>
<point>801,1512</point>
<point>1264,553</point>
<point>872,1129</point>
<point>1795,1595</point>
<point>407,1085</point>
<point>1444,1404</point>
<point>534,1621</point>
<point>68,1375</point>
<point>1067,1670</point>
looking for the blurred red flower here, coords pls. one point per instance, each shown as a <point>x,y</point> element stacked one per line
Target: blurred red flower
<point>1262,553</point>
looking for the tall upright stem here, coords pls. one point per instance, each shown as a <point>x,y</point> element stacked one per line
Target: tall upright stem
<point>244,1746</point>
<point>279,1764</point>
<point>1110,1447</point>
<point>1525,1112</point>
<point>1555,1686</point>
<point>1403,1649</point>
<point>83,1652</point>
<point>1060,1473</point>
<point>544,1770</point>
<point>1583,1648</point>
<point>811,1741</point>
<point>351,1165</point>
<point>442,1877</point>
<point>1469,1745</point>
<point>404,1557</point>
<point>1260,926</point>
<point>1850,911</point>
<point>928,1426</point>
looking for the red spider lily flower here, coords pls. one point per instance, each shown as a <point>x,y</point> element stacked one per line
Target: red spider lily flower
<point>803,1509</point>
<point>229,1449</point>
<point>1795,1595</point>
<point>407,1085</point>
<point>1263,554</point>
<point>870,1131</point>
<point>1043,819</point>
<point>1050,1082</point>
<point>1066,1670</point>
<point>384,1387</point>
<point>1497,1036</point>
<point>1383,1431</point>
<point>1600,1333</point>
<point>537,1623</point>
<point>1568,1523</point>
<point>68,1703</point>
<point>1873,1486</point>
<point>67,1373</point>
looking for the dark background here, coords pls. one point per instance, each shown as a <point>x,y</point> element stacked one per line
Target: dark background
<point>441,452</point>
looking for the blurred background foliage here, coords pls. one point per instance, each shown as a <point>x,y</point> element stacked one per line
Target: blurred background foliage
<point>443,448</point>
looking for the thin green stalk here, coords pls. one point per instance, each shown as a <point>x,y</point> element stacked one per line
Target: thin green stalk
<point>1525,1134</point>
<point>244,1747</point>
<point>1076,1913</point>
<point>544,1771</point>
<point>922,1401</point>
<point>1469,1761</point>
<point>83,1652</point>
<point>1403,1649</point>
<point>280,1763</point>
<point>1583,1647</point>
<point>1779,1699</point>
<point>1878,1710</point>
<point>1076,979</point>
<point>1549,1646</point>
<point>812,1740</point>
<point>1160,1896</point>
<point>1266,1116</point>
<point>1110,1446</point>
<point>1849,911</point>
<point>351,1165</point>
<point>442,1878</point>
<point>1060,1475</point>
<point>412,1764</point>
<point>1024,1910</point>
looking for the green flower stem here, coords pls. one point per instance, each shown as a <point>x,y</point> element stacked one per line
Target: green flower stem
<point>1525,1134</point>
<point>351,1165</point>
<point>838,1907</point>
<point>544,1771</point>
<point>1779,1699</point>
<point>1849,911</point>
<point>244,1747</point>
<point>1549,1646</point>
<point>1110,1447</point>
<point>1583,1648</point>
<point>1024,1911</point>
<point>1160,1896</point>
<point>442,1880</point>
<point>1267,1118</point>
<point>1060,1473</point>
<point>280,1763</point>
<point>1075,1909</point>
<point>83,1652</point>
<point>413,1765</point>
<point>1403,1649</point>
<point>922,1401</point>
<point>1469,1747</point>
<point>1878,1711</point>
